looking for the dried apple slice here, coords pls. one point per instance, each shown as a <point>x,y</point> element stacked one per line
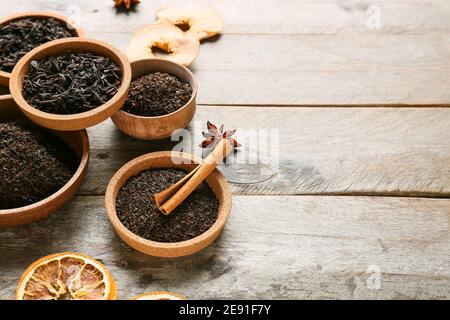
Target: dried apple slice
<point>66,276</point>
<point>204,21</point>
<point>161,295</point>
<point>163,41</point>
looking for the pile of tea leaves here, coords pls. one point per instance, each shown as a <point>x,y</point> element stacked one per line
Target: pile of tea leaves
<point>4,90</point>
<point>137,210</point>
<point>156,94</point>
<point>34,164</point>
<point>19,37</point>
<point>70,83</point>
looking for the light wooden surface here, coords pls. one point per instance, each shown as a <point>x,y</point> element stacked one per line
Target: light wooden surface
<point>358,190</point>
<point>392,151</point>
<point>300,52</point>
<point>316,247</point>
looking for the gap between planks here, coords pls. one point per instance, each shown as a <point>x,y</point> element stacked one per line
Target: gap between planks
<point>324,151</point>
<point>296,248</point>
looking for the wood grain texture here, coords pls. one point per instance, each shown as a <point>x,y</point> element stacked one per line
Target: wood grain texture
<point>322,151</point>
<point>277,245</point>
<point>320,247</point>
<point>315,61</point>
<point>267,16</point>
<point>305,70</point>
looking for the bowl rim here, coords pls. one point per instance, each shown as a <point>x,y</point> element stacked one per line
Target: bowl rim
<point>179,110</point>
<point>41,14</point>
<point>23,63</point>
<point>110,202</point>
<point>75,177</point>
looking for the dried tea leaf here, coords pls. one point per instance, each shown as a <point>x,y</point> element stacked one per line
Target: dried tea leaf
<point>72,82</point>
<point>19,37</point>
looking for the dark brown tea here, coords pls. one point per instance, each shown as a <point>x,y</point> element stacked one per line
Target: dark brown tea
<point>19,37</point>
<point>137,210</point>
<point>70,83</point>
<point>4,90</point>
<point>156,94</point>
<point>34,164</point>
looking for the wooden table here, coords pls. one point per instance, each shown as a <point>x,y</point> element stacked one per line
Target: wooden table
<point>359,206</point>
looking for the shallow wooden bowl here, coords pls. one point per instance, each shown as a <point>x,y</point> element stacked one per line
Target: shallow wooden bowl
<point>159,127</point>
<point>77,140</point>
<point>79,120</point>
<point>164,159</point>
<point>5,76</point>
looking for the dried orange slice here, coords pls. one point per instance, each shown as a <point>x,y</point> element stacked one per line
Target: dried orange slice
<point>66,276</point>
<point>160,295</point>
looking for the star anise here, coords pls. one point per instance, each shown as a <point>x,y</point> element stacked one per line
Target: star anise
<point>214,135</point>
<point>126,3</point>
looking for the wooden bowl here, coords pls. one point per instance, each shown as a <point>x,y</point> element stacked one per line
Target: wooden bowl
<point>164,159</point>
<point>77,140</point>
<point>5,76</point>
<point>159,127</point>
<point>76,121</point>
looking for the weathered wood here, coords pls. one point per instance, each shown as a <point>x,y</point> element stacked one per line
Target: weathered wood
<point>294,53</point>
<point>309,68</point>
<point>320,70</point>
<point>267,16</point>
<point>272,247</point>
<point>322,150</point>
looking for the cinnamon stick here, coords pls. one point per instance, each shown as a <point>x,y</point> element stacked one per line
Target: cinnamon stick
<point>169,199</point>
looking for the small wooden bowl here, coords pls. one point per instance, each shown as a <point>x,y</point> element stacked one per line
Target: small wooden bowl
<point>5,76</point>
<point>76,121</point>
<point>77,140</point>
<point>159,127</point>
<point>164,159</point>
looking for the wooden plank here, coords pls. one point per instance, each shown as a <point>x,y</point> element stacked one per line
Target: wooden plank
<point>310,68</point>
<point>267,16</point>
<point>384,151</point>
<point>295,247</point>
<point>320,70</point>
